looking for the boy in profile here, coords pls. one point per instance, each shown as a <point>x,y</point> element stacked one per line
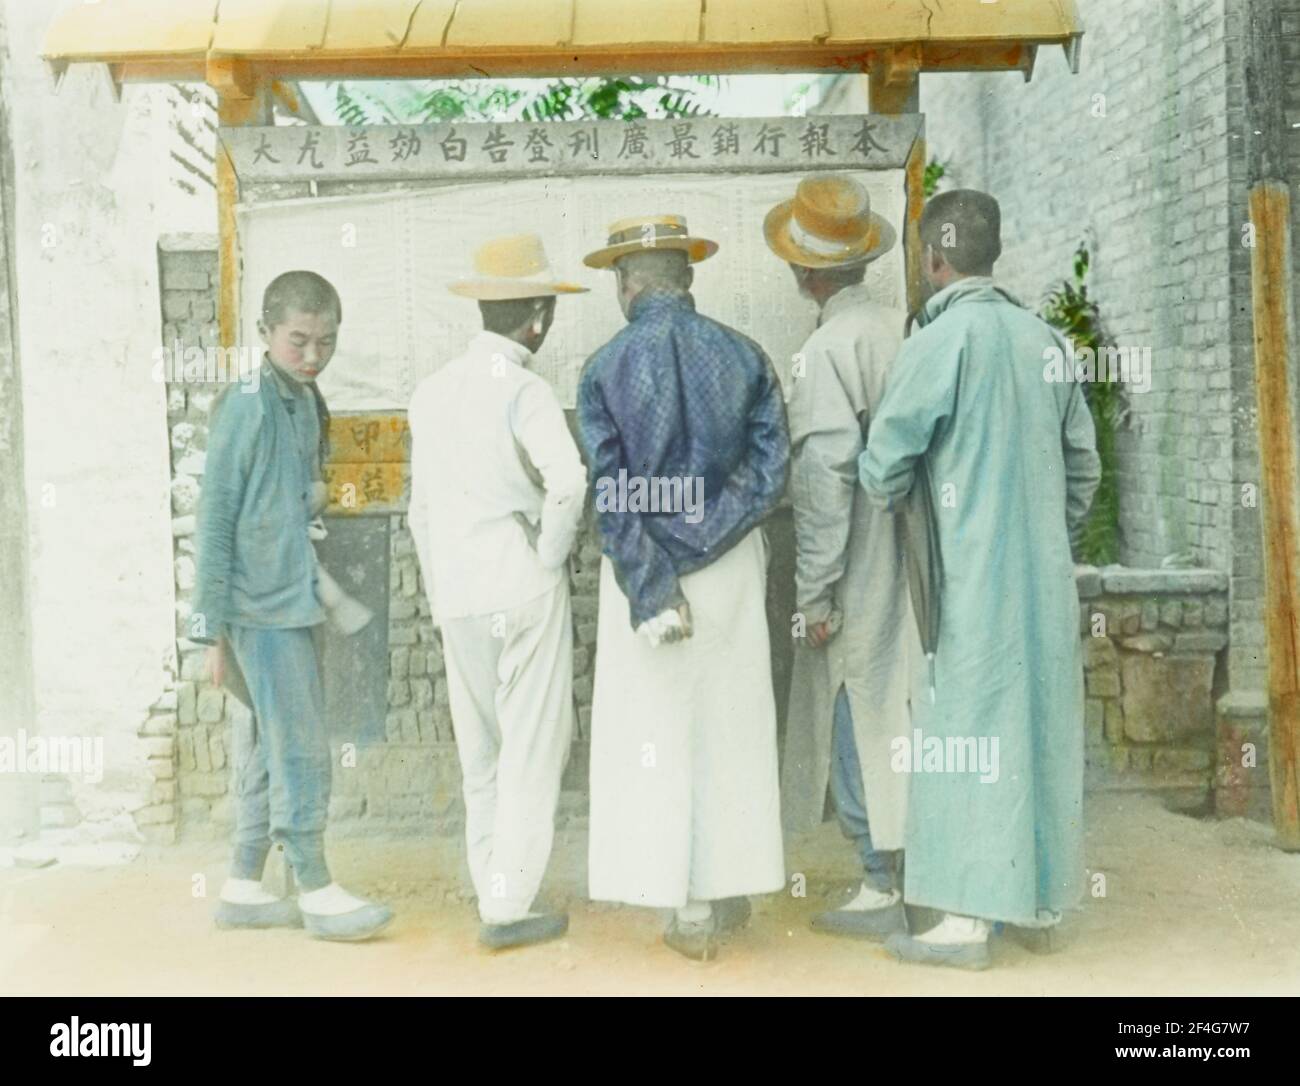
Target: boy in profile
<point>256,598</point>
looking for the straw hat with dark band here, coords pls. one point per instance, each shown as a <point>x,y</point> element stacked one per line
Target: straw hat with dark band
<point>644,232</point>
<point>829,223</point>
<point>510,268</point>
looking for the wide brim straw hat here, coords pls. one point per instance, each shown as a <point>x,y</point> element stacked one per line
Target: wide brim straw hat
<point>643,233</point>
<point>512,267</point>
<point>828,224</point>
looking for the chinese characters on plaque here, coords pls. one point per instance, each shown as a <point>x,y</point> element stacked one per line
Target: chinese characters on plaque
<point>529,149</point>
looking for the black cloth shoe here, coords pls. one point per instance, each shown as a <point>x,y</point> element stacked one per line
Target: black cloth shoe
<point>874,924</point>
<point>1035,940</point>
<point>525,932</point>
<point>731,914</point>
<point>699,942</point>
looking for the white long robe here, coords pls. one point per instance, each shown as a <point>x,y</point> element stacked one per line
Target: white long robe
<point>849,560</point>
<point>684,791</point>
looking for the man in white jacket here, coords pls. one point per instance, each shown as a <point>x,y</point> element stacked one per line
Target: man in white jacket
<point>497,492</point>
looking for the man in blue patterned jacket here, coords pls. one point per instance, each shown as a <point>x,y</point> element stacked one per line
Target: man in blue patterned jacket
<point>684,429</point>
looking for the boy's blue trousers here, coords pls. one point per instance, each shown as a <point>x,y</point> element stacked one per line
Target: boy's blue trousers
<point>281,755</point>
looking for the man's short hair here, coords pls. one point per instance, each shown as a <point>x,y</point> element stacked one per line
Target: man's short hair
<point>303,291</point>
<point>842,275</point>
<point>656,268</point>
<point>505,317</point>
<point>965,226</point>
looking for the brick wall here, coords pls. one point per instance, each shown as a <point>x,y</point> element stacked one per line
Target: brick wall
<point>1139,156</point>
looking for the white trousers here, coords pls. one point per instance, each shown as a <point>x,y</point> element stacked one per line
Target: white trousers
<point>510,684</point>
<point>685,804</point>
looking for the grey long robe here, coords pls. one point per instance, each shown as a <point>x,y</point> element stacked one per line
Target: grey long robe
<point>848,561</point>
<point>1013,467</point>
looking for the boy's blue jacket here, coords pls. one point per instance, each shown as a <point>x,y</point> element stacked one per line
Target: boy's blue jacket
<point>256,566</point>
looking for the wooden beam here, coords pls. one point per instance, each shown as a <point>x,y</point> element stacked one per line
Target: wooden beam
<point>894,85</point>
<point>1277,383</point>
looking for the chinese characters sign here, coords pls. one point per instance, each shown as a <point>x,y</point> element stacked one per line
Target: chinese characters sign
<point>617,147</point>
<point>368,469</point>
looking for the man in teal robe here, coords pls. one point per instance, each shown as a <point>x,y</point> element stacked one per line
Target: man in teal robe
<point>977,397</point>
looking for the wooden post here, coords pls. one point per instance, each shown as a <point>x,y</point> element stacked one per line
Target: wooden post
<point>894,87</point>
<point>1277,381</point>
<point>242,99</point>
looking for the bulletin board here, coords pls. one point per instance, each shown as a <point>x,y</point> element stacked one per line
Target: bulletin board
<point>393,215</point>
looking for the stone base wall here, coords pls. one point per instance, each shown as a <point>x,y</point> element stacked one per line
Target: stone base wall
<point>1153,642</point>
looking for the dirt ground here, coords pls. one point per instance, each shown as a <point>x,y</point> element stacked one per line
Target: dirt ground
<point>1191,907</point>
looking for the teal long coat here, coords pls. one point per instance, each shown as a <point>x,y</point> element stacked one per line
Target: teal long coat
<point>1013,467</point>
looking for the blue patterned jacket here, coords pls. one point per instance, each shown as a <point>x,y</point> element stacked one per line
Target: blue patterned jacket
<point>676,395</point>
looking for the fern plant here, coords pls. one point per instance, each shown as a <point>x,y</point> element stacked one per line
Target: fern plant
<point>570,99</point>
<point>1069,309</point>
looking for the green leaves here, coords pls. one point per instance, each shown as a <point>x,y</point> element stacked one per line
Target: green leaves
<point>1069,309</point>
<point>431,101</point>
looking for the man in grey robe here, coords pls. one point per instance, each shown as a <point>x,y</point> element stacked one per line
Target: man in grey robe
<point>855,638</point>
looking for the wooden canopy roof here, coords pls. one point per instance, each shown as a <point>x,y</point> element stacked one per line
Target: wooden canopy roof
<point>178,40</point>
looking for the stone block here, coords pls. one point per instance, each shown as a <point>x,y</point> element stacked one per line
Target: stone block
<point>1103,683</point>
<point>1149,642</point>
<point>159,724</point>
<point>217,749</point>
<point>1211,641</point>
<point>1171,613</point>
<point>205,785</point>
<point>1094,717</point>
<point>211,705</point>
<point>1124,581</point>
<point>161,768</point>
<point>159,746</point>
<point>185,749</point>
<point>1087,580</point>
<point>1166,697</point>
<point>1114,721</point>
<point>1179,760</point>
<point>1215,612</point>
<point>187,703</point>
<point>202,751</point>
<point>155,814</point>
<point>399,663</point>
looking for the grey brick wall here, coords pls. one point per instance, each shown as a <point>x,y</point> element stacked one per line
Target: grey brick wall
<point>1139,155</point>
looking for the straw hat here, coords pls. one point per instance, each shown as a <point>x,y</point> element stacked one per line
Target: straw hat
<point>644,232</point>
<point>512,267</point>
<point>829,223</point>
